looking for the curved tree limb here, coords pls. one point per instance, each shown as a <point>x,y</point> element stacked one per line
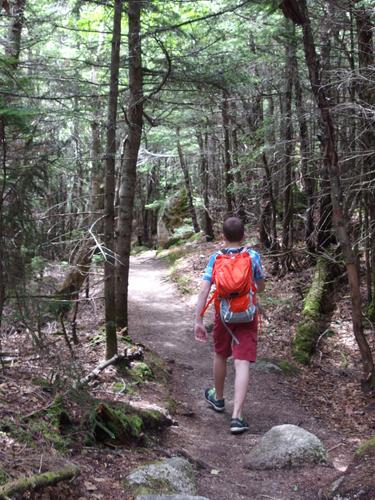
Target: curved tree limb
<point>38,481</point>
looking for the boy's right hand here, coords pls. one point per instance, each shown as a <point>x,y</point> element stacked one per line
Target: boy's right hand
<point>200,332</point>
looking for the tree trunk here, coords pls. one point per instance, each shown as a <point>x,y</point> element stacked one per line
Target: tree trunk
<point>110,176</point>
<point>227,159</point>
<point>240,202</point>
<point>207,221</point>
<point>14,35</point>
<point>287,138</point>
<point>185,171</point>
<point>307,175</point>
<point>128,185</point>
<point>365,89</point>
<point>331,163</point>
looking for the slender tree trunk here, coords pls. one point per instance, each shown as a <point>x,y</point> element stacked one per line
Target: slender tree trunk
<point>13,47</point>
<point>128,185</point>
<point>287,136</point>
<point>227,159</point>
<point>240,206</point>
<point>185,171</point>
<point>207,221</point>
<point>12,51</point>
<point>307,176</point>
<point>324,226</point>
<point>2,192</point>
<point>331,163</point>
<point>365,89</point>
<point>110,176</point>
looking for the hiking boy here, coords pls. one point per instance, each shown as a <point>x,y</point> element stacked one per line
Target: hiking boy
<point>235,339</point>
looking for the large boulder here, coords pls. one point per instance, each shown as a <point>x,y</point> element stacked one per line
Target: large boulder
<point>168,477</point>
<point>286,446</point>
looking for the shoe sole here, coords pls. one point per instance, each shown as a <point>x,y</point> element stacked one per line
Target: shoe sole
<point>238,430</point>
<point>216,408</point>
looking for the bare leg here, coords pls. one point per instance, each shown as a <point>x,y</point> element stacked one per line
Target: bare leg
<point>220,371</point>
<point>241,383</point>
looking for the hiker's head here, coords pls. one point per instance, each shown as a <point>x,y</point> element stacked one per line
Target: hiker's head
<point>233,229</point>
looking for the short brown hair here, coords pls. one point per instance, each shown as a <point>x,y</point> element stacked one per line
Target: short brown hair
<point>233,229</point>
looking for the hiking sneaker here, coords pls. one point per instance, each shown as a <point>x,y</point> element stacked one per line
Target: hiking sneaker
<point>210,397</point>
<point>238,425</point>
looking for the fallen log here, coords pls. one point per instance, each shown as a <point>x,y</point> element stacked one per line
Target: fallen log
<point>130,354</point>
<point>38,481</point>
<point>310,326</point>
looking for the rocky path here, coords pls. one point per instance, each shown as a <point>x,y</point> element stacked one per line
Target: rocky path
<point>163,321</point>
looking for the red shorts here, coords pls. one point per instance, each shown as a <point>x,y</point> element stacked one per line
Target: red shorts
<point>246,333</point>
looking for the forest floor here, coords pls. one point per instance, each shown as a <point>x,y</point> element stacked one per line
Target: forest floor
<point>324,398</point>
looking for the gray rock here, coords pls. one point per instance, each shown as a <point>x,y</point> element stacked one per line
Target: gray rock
<point>266,366</point>
<point>168,477</point>
<point>169,497</point>
<point>286,446</point>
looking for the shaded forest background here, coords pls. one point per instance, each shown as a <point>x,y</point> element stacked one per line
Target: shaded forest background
<point>143,122</point>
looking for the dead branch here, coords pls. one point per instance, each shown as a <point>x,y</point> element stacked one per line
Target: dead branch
<point>38,481</point>
<point>130,354</point>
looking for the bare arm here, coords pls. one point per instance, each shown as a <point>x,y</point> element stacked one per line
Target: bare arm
<point>199,329</point>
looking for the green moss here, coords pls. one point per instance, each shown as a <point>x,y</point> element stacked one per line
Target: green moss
<point>309,328</point>
<point>115,424</point>
<point>366,446</point>
<point>173,255</point>
<point>182,282</point>
<point>313,301</point>
<point>171,405</point>
<point>4,477</point>
<point>304,341</point>
<point>135,424</point>
<point>371,311</point>
<point>154,487</point>
<point>42,382</point>
<point>141,371</point>
<point>287,367</point>
<point>158,367</point>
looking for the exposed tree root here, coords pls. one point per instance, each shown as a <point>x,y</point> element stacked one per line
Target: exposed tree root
<point>38,481</point>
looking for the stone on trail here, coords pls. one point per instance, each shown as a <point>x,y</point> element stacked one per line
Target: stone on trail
<point>168,477</point>
<point>263,365</point>
<point>286,446</point>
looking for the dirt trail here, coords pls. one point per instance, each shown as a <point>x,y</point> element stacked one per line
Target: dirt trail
<point>164,323</point>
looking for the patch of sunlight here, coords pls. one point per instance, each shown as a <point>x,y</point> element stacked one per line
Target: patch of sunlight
<point>169,344</point>
<point>345,333</point>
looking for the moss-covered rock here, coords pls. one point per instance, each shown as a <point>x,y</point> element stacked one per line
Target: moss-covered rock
<point>309,328</point>
<point>171,476</point>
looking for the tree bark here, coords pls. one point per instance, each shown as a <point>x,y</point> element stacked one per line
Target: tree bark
<point>366,95</point>
<point>339,217</point>
<point>185,171</point>
<point>307,175</point>
<point>227,159</point>
<point>287,138</point>
<point>128,185</point>
<point>38,481</point>
<point>207,221</point>
<point>13,46</point>
<point>110,176</point>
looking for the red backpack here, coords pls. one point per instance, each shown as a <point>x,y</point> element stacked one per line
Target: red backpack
<point>235,293</point>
